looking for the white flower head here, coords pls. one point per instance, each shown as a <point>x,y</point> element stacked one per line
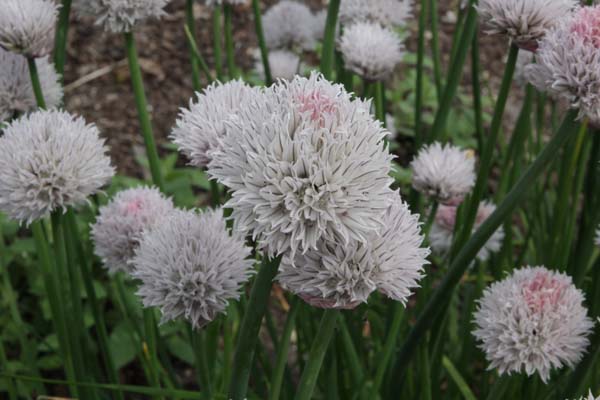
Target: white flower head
<point>50,160</point>
<point>523,21</point>
<point>590,396</point>
<point>318,22</point>
<point>442,230</point>
<point>121,15</point>
<point>16,92</point>
<point>392,127</point>
<point>370,50</point>
<point>289,24</point>
<point>444,172</point>
<point>532,321</point>
<point>199,129</point>
<point>524,59</point>
<point>305,163</point>
<point>27,26</point>
<point>568,62</point>
<point>283,63</point>
<point>389,13</point>
<point>121,223</point>
<point>342,276</point>
<point>190,266</point>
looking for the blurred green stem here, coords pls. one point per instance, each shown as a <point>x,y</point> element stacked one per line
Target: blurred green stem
<point>60,39</point>
<point>388,348</point>
<point>264,54</point>
<point>282,351</point>
<point>35,83</point>
<point>318,350</point>
<point>196,53</point>
<point>419,80</point>
<point>190,22</point>
<point>229,45</point>
<point>217,40</point>
<point>435,47</point>
<point>142,108</point>
<point>248,333</point>
<point>328,52</point>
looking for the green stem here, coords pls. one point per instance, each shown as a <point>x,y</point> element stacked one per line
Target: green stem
<point>282,351</point>
<point>150,348</point>
<point>248,334</point>
<point>328,52</point>
<point>190,24</point>
<point>420,71</point>
<point>199,347</point>
<point>229,47</point>
<point>10,383</point>
<point>217,37</point>
<point>438,130</point>
<point>215,193</point>
<point>388,349</point>
<point>60,39</point>
<point>430,218</point>
<point>354,364</point>
<point>477,107</point>
<point>435,47</point>
<point>500,387</point>
<point>578,377</point>
<point>438,301</point>
<point>318,350</point>
<point>196,53</point>
<point>142,108</point>
<point>264,54</point>
<point>35,83</point>
<point>379,94</point>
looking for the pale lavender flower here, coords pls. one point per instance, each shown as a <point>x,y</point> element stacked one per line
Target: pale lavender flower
<point>121,223</point>
<point>191,267</point>
<point>389,13</point>
<point>568,62</point>
<point>523,21</point>
<point>16,92</point>
<point>27,26</point>
<point>199,129</point>
<point>318,22</point>
<point>370,50</point>
<point>289,24</point>
<point>532,321</point>
<point>283,63</point>
<point>338,275</point>
<point>444,172</point>
<point>441,234</point>
<point>121,15</point>
<point>305,163</point>
<point>50,160</point>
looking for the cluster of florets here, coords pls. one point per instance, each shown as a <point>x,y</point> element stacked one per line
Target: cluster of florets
<point>523,21</point>
<point>533,321</point>
<point>16,91</point>
<point>442,231</point>
<point>121,15</point>
<point>568,62</point>
<point>388,13</point>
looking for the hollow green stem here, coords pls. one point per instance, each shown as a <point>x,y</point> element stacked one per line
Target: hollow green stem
<point>440,298</point>
<point>142,108</point>
<point>229,45</point>
<point>430,218</point>
<point>150,347</point>
<point>190,24</point>
<point>435,47</point>
<point>419,79</point>
<point>318,350</point>
<point>196,53</point>
<point>35,83</point>
<point>282,351</point>
<point>201,364</point>
<point>264,54</point>
<point>60,39</point>
<point>500,387</point>
<point>328,52</point>
<point>248,334</point>
<point>388,349</point>
<point>379,94</point>
<point>217,41</point>
<point>476,84</point>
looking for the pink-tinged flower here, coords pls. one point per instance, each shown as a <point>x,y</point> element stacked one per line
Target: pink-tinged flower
<point>444,172</point>
<point>339,275</point>
<point>568,62</point>
<point>370,50</point>
<point>442,230</point>
<point>305,163</point>
<point>523,21</point>
<point>121,223</point>
<point>533,321</point>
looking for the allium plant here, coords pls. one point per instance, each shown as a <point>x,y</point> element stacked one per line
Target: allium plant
<point>533,321</point>
<point>190,266</point>
<point>442,230</point>
<point>50,160</point>
<point>121,223</point>
<point>389,13</point>
<point>284,64</point>
<point>27,26</point>
<point>338,275</point>
<point>370,50</point>
<point>16,91</point>
<point>305,163</point>
<point>201,128</point>
<point>523,21</point>
<point>568,62</point>
<point>444,172</point>
<point>121,15</point>
<point>289,24</point>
